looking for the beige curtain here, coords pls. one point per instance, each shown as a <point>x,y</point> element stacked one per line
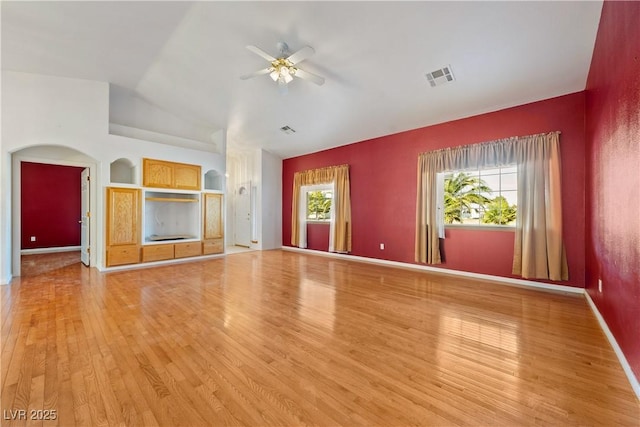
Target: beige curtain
<point>539,250</point>
<point>339,177</point>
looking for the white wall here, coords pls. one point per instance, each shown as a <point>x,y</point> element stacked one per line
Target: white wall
<point>264,171</point>
<point>271,195</point>
<point>46,110</point>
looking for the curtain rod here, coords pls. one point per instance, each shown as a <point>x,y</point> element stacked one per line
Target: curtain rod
<point>324,167</point>
<point>462,147</point>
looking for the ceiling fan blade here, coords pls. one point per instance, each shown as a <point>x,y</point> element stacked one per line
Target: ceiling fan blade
<point>256,73</point>
<point>301,55</point>
<point>309,76</point>
<point>261,53</point>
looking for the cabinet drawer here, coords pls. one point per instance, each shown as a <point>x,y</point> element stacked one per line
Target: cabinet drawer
<point>188,249</point>
<point>213,246</point>
<point>126,254</point>
<point>157,252</point>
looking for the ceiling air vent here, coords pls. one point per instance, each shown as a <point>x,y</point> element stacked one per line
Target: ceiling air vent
<point>288,130</point>
<point>441,76</point>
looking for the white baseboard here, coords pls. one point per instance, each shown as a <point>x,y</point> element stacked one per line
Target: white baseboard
<point>159,263</point>
<point>49,250</point>
<point>6,280</point>
<point>635,385</point>
<point>398,264</point>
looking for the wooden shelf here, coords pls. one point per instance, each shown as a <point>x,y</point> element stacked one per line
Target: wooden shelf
<point>169,199</point>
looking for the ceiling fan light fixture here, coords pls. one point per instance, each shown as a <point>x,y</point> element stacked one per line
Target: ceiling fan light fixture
<point>286,75</point>
<point>283,69</point>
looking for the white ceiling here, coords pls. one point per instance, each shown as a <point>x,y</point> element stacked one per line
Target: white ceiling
<point>186,58</point>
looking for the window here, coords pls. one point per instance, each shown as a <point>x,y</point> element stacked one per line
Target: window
<point>319,205</point>
<point>481,197</point>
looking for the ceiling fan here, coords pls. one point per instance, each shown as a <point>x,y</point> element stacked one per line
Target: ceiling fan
<point>284,68</point>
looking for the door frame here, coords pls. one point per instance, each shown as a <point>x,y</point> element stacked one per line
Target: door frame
<point>85,204</point>
<point>16,210</point>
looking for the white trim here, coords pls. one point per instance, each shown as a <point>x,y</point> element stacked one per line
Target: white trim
<point>302,212</point>
<point>159,263</point>
<point>49,250</point>
<point>16,213</point>
<point>499,279</point>
<point>635,385</point>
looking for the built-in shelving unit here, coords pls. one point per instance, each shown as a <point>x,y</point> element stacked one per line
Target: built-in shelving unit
<point>171,217</point>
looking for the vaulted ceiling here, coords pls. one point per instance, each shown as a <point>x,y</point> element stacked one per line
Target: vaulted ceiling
<point>184,60</point>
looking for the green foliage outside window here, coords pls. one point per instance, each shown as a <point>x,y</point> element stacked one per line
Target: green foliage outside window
<point>319,205</point>
<point>468,200</point>
<point>499,212</point>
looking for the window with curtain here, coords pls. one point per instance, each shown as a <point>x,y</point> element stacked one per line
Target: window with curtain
<point>333,179</point>
<point>539,250</point>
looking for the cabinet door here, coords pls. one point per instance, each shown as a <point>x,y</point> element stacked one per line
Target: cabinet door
<point>123,216</point>
<point>213,224</point>
<point>186,177</point>
<point>157,173</point>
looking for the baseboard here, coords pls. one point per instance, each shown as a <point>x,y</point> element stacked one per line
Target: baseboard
<point>6,280</point>
<point>159,263</point>
<point>635,384</point>
<point>406,265</point>
<point>49,250</point>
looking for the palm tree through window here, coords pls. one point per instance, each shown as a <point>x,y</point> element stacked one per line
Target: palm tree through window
<point>481,197</point>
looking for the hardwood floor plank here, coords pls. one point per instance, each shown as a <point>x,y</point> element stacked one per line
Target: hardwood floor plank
<point>281,338</point>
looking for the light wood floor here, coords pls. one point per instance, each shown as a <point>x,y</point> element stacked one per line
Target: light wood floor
<point>280,338</point>
<point>36,264</point>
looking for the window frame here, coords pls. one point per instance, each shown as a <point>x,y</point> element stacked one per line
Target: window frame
<point>306,189</point>
<point>479,225</point>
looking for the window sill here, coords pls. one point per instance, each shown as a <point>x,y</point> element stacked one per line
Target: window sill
<point>481,227</point>
<point>310,221</point>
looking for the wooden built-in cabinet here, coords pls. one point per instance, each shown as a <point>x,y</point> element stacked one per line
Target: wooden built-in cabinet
<point>123,226</point>
<point>213,226</point>
<point>171,251</point>
<point>164,224</point>
<point>157,252</point>
<point>163,174</point>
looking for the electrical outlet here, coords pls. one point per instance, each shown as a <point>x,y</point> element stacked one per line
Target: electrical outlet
<point>33,238</point>
<point>600,285</point>
<point>382,246</point>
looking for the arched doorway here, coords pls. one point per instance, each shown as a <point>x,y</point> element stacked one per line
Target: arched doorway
<point>60,156</point>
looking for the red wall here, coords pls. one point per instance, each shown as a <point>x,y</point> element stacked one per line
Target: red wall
<point>383,186</point>
<point>613,172</point>
<point>50,205</point>
<point>317,237</point>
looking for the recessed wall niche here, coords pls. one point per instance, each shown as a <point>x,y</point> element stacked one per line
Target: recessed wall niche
<point>122,171</point>
<point>213,180</point>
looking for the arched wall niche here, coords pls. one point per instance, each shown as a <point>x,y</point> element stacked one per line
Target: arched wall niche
<point>213,180</point>
<point>122,171</point>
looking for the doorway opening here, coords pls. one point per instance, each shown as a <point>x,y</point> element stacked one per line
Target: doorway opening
<point>51,204</point>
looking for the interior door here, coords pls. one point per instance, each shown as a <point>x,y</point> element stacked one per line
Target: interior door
<point>84,217</point>
<point>243,216</point>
